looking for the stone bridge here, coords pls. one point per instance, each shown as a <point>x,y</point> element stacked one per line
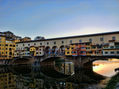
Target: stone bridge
<point>81,61</point>
<point>86,61</point>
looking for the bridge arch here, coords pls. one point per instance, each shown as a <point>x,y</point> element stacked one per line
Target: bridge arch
<point>62,50</point>
<point>62,47</point>
<point>47,49</point>
<point>54,49</point>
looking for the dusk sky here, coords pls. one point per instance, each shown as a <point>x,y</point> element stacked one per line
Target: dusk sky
<point>58,18</point>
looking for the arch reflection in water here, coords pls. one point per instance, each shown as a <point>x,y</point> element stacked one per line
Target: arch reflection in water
<point>66,68</point>
<point>58,69</point>
<point>57,76</point>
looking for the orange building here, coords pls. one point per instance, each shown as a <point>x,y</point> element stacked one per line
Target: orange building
<point>76,49</point>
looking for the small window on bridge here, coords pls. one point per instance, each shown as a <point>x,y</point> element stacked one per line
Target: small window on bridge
<point>54,42</point>
<point>80,41</point>
<point>40,43</point>
<point>34,43</point>
<point>62,42</point>
<point>112,52</point>
<point>28,44</point>
<point>47,43</point>
<point>101,39</point>
<point>113,38</point>
<point>67,52</point>
<point>90,40</point>
<point>106,52</point>
<point>70,41</point>
<point>112,47</point>
<point>117,52</point>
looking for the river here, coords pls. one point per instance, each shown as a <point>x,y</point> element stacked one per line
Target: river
<point>58,75</point>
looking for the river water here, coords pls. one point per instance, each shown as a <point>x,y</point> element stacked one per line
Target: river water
<point>57,75</point>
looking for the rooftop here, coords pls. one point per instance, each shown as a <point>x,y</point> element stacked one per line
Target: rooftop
<point>68,37</point>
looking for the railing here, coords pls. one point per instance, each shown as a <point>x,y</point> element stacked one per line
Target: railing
<point>54,54</point>
<point>116,47</point>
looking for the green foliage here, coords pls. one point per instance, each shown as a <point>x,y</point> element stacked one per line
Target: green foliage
<point>112,83</point>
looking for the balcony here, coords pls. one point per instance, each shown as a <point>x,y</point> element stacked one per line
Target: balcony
<point>112,47</point>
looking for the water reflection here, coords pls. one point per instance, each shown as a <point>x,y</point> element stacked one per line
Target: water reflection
<point>58,75</point>
<point>66,68</point>
<point>7,80</point>
<point>106,68</point>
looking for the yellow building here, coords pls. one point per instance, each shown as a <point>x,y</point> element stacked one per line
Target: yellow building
<point>7,81</point>
<point>18,40</point>
<point>68,50</point>
<point>33,51</point>
<point>88,49</point>
<point>7,48</point>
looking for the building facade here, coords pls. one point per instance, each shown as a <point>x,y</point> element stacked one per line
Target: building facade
<point>7,48</point>
<point>112,48</point>
<point>57,44</point>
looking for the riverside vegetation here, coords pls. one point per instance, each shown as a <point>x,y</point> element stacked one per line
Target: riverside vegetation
<point>112,84</point>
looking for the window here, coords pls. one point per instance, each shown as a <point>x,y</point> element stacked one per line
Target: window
<point>80,41</point>
<point>117,52</point>
<point>101,39</point>
<point>34,43</point>
<point>74,51</point>
<point>67,52</point>
<point>82,47</point>
<point>47,43</point>
<point>113,38</point>
<point>90,40</point>
<point>23,44</point>
<point>28,44</point>
<point>112,47</point>
<point>112,52</point>
<point>62,42</point>
<point>87,47</point>
<point>40,43</point>
<point>106,52</point>
<point>70,41</point>
<point>54,42</point>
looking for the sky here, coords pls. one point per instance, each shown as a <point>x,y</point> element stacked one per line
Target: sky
<point>58,18</point>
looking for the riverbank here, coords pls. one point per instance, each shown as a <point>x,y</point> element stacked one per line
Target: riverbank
<point>113,82</point>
